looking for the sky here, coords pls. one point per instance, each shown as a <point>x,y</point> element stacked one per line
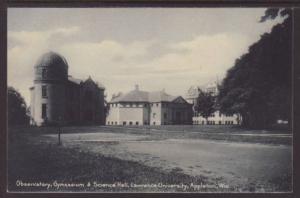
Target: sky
<point>156,48</point>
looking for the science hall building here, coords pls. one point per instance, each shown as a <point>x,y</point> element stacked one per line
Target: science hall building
<point>148,108</point>
<point>57,98</point>
<point>216,118</point>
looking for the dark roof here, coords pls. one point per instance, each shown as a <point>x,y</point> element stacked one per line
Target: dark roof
<point>51,59</point>
<point>89,80</point>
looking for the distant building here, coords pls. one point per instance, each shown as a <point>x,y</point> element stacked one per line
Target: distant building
<point>59,98</point>
<point>217,117</point>
<point>148,108</point>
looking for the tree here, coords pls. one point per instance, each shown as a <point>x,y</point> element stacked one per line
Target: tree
<point>17,109</point>
<point>205,104</point>
<point>258,86</point>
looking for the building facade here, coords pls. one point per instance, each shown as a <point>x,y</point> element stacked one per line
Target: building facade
<point>57,98</point>
<point>217,118</point>
<point>148,108</point>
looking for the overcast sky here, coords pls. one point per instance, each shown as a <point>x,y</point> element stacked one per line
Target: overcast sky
<point>171,48</point>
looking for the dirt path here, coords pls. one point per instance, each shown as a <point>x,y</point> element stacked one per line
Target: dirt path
<point>235,164</point>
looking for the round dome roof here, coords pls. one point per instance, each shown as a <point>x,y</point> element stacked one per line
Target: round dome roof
<point>51,59</point>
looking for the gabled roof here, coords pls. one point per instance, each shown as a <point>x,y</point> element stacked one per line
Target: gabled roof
<point>144,96</point>
<point>132,96</point>
<point>160,96</point>
<point>89,80</point>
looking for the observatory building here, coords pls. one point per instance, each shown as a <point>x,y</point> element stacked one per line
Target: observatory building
<point>57,98</point>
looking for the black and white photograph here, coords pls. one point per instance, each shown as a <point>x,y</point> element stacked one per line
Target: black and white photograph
<point>149,100</point>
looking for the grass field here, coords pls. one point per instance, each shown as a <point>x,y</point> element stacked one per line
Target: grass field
<point>163,159</point>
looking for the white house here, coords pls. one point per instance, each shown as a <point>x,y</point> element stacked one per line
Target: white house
<point>148,108</point>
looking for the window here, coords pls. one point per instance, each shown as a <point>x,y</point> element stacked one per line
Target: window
<point>124,123</point>
<point>108,122</point>
<point>116,123</point>
<point>153,123</point>
<point>44,72</point>
<point>137,123</point>
<point>44,91</point>
<point>157,104</point>
<point>220,122</point>
<point>165,115</point>
<point>44,111</point>
<point>154,115</point>
<point>130,123</point>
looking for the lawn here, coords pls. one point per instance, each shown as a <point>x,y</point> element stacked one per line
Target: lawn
<point>37,160</point>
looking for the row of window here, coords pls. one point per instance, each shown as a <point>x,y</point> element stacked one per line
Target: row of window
<point>124,123</point>
<point>138,105</point>
<point>130,123</point>
<point>157,104</point>
<point>213,115</point>
<point>212,122</point>
<point>165,115</point>
<point>128,105</point>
